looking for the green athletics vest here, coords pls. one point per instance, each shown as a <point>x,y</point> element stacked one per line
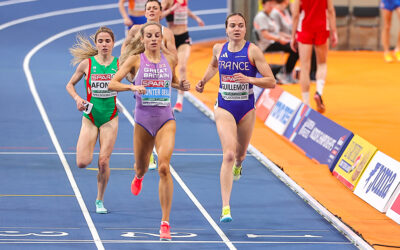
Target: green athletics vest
<point>104,101</point>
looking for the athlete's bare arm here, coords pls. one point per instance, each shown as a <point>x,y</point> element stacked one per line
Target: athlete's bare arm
<point>80,71</point>
<point>169,40</point>
<point>131,64</point>
<point>168,7</point>
<point>212,68</point>
<point>183,84</point>
<point>122,11</point>
<point>332,24</point>
<point>195,17</point>
<point>130,36</point>
<point>295,18</point>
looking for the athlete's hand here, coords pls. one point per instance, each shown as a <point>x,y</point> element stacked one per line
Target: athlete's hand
<point>240,78</point>
<point>334,39</point>
<point>128,22</point>
<point>200,21</point>
<point>174,7</point>
<point>140,89</point>
<point>80,103</point>
<point>184,85</point>
<point>200,86</point>
<point>293,45</point>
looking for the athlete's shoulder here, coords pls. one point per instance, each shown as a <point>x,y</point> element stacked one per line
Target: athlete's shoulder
<point>218,46</point>
<point>134,30</point>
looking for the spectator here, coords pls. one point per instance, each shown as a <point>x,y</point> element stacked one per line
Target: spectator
<point>388,7</point>
<point>271,39</point>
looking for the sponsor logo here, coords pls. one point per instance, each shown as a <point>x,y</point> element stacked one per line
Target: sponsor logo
<point>380,180</point>
<point>309,130</point>
<point>155,83</point>
<point>225,55</point>
<point>281,112</point>
<point>102,77</point>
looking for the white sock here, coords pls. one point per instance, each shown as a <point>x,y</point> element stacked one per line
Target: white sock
<point>320,86</point>
<point>164,222</point>
<point>306,97</point>
<point>179,98</point>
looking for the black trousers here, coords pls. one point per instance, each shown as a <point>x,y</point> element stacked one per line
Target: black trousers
<point>293,57</point>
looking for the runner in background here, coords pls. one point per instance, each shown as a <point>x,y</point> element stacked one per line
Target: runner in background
<point>100,117</point>
<point>135,14</point>
<point>177,13</point>
<point>237,62</point>
<point>388,7</point>
<point>312,19</point>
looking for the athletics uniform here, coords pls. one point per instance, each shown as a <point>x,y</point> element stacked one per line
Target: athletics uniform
<point>104,101</point>
<point>180,17</point>
<point>236,98</point>
<point>137,5</point>
<point>153,109</point>
<point>390,5</point>
<point>313,25</point>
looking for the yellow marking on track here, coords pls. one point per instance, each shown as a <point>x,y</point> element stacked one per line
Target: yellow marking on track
<point>96,169</point>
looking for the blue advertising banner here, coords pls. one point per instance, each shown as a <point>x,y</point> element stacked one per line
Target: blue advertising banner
<point>292,128</point>
<point>320,138</point>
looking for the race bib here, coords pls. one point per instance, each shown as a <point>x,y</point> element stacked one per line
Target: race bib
<point>99,85</point>
<point>181,15</point>
<point>233,91</point>
<point>157,93</point>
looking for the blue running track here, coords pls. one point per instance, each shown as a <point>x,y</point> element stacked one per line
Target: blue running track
<point>46,202</point>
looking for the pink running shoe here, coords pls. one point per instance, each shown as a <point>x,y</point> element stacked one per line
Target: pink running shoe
<point>320,104</point>
<point>165,233</point>
<point>136,185</point>
<point>178,107</point>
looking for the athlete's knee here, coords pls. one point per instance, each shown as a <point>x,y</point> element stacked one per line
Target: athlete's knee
<point>229,156</point>
<point>163,169</point>
<point>103,164</point>
<point>83,163</point>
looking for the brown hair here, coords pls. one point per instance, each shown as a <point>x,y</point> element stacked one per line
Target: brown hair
<point>234,14</point>
<point>84,49</point>
<point>148,1</point>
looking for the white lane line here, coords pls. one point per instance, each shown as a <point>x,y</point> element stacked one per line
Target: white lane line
<point>114,153</point>
<point>88,8</point>
<point>211,11</point>
<point>47,241</point>
<point>10,2</point>
<point>49,127</point>
<point>338,224</point>
<point>187,190</point>
<point>57,13</point>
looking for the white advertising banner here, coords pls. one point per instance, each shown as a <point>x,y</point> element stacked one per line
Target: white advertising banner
<point>394,207</point>
<point>283,112</point>
<point>379,181</point>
